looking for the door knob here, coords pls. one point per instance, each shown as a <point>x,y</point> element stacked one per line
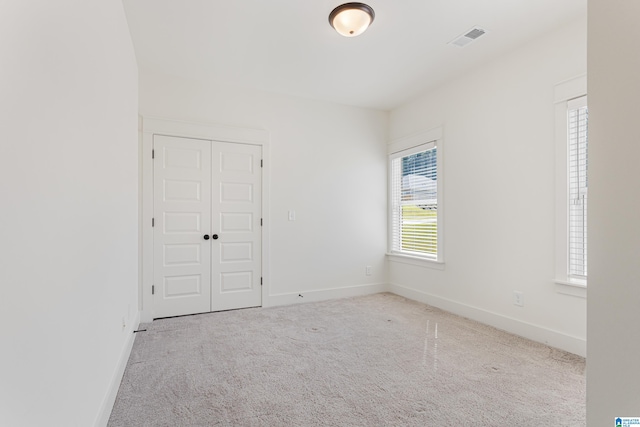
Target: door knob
<point>214,236</point>
<point>206,237</point>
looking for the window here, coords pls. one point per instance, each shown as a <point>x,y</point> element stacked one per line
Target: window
<point>571,186</point>
<point>414,227</point>
<point>577,118</point>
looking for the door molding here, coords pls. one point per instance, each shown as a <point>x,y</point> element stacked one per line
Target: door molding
<point>210,131</point>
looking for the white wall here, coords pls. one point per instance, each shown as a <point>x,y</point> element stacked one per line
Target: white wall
<point>327,163</point>
<point>68,186</point>
<point>498,124</point>
<point>613,372</point>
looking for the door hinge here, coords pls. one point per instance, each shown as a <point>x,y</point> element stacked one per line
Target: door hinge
<point>153,289</point>
<point>153,154</point>
<point>260,222</point>
<point>153,222</point>
<point>261,281</point>
<point>261,163</point>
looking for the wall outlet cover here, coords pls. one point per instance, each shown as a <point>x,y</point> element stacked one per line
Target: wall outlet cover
<point>518,298</point>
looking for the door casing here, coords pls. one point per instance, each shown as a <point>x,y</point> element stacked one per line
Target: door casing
<point>150,126</point>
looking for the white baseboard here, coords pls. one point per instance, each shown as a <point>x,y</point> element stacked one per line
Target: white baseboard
<point>110,397</point>
<point>533,332</point>
<point>324,294</point>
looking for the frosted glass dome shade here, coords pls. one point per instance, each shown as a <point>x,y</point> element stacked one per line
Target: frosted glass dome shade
<point>351,19</point>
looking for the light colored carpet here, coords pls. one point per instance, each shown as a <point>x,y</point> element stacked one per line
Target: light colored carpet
<point>378,360</point>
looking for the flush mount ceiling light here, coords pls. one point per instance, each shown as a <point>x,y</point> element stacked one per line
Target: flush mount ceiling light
<point>351,19</point>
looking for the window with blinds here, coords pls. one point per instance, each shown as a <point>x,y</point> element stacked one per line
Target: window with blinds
<point>414,194</point>
<point>578,116</point>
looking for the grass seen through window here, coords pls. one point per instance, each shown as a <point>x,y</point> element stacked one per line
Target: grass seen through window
<point>419,229</point>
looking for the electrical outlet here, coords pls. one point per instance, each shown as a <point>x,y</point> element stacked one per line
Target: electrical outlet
<point>518,298</point>
<point>368,270</point>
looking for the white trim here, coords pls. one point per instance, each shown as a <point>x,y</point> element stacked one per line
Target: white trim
<point>216,131</point>
<point>571,88</point>
<point>146,231</point>
<point>140,216</point>
<point>530,331</point>
<point>413,140</point>
<point>209,131</point>
<point>415,260</point>
<point>575,289</point>
<point>415,149</point>
<point>562,191</point>
<point>324,294</point>
<point>441,198</point>
<point>112,392</point>
<point>576,103</point>
<point>574,284</point>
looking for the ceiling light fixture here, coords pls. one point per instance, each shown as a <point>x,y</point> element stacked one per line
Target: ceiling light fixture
<point>351,19</point>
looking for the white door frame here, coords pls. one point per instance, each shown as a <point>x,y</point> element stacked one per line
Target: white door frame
<point>160,126</point>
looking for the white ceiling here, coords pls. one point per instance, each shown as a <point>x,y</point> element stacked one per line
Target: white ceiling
<point>288,46</point>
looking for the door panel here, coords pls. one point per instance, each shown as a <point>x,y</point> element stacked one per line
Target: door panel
<point>181,190</point>
<point>235,192</point>
<point>234,252</point>
<point>236,222</point>
<point>237,201</point>
<point>188,254</point>
<point>238,281</point>
<point>182,286</point>
<point>182,212</point>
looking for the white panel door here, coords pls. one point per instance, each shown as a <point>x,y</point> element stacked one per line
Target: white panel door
<point>182,216</point>
<point>236,220</point>
<point>207,235</point>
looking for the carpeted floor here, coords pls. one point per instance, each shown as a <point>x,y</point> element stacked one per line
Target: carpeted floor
<point>378,360</point>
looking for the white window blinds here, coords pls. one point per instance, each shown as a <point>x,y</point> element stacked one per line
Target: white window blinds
<point>578,185</point>
<point>414,194</point>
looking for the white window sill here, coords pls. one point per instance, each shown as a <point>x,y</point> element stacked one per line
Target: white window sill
<point>574,288</point>
<point>415,260</point>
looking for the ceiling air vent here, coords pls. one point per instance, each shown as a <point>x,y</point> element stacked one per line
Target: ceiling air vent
<point>468,37</point>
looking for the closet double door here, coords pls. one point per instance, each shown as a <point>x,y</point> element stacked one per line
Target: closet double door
<point>207,226</point>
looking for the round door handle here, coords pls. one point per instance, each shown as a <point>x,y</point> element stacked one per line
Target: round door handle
<point>214,236</point>
<point>206,237</point>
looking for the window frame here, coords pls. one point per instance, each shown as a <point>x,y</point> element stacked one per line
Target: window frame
<point>565,94</point>
<point>406,146</point>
